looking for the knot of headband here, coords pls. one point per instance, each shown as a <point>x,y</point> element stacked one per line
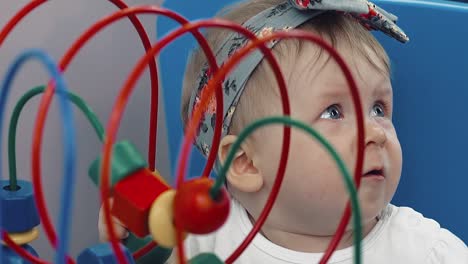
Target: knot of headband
<point>287,15</point>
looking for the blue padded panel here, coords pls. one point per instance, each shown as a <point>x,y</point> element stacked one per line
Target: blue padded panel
<point>172,63</point>
<point>430,87</point>
<point>430,94</point>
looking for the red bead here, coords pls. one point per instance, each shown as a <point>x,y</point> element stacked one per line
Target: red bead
<point>372,12</point>
<point>196,211</point>
<point>133,197</point>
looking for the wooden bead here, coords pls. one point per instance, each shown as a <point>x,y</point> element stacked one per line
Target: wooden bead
<point>9,256</point>
<point>25,237</point>
<point>133,198</point>
<point>158,176</point>
<point>206,258</point>
<point>157,255</point>
<point>161,219</point>
<point>126,159</point>
<point>196,211</point>
<point>18,212</point>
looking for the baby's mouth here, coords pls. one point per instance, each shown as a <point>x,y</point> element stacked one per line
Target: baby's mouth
<point>375,173</point>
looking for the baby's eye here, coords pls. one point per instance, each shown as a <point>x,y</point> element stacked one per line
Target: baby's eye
<point>378,110</point>
<point>332,112</point>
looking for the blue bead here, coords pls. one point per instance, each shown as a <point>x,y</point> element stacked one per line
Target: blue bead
<point>102,254</point>
<point>10,257</point>
<point>18,210</point>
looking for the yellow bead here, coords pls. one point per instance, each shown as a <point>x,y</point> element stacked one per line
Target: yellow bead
<point>161,220</point>
<point>25,237</point>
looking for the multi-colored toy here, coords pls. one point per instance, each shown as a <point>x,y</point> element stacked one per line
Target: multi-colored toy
<point>158,215</point>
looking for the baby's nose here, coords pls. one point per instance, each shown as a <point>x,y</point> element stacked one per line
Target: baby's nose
<point>375,133</point>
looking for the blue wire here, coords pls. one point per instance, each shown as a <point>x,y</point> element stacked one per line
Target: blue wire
<point>69,147</point>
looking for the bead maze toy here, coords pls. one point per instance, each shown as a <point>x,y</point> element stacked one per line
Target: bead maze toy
<point>158,215</point>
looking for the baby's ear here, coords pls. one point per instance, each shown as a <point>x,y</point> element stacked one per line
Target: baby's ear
<point>242,174</point>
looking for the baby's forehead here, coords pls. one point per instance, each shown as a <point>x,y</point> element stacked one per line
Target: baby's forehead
<point>314,80</point>
<point>311,62</point>
<point>354,44</point>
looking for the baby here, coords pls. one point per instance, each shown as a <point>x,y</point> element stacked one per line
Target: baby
<point>313,195</point>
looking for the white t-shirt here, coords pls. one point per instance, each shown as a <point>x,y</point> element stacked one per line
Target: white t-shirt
<point>401,235</point>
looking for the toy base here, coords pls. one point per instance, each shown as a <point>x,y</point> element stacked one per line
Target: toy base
<point>10,257</point>
<point>102,254</point>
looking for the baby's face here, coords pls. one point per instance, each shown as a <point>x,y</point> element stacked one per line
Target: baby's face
<point>313,195</point>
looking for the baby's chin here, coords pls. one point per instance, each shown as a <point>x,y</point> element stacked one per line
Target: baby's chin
<point>322,220</point>
<point>369,214</point>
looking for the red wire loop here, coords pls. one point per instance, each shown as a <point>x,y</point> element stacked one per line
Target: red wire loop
<point>144,250</point>
<point>21,251</point>
<point>125,93</point>
<point>46,99</point>
<point>43,214</point>
<point>23,12</point>
<point>207,93</point>
<point>360,135</point>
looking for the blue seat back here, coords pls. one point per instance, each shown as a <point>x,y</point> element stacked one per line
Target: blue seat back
<point>172,63</point>
<point>430,79</point>
<point>430,82</point>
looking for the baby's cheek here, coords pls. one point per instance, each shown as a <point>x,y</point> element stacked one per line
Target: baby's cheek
<point>396,160</point>
<point>313,179</point>
<point>395,151</point>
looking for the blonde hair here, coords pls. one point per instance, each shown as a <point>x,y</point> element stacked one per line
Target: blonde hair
<point>336,27</point>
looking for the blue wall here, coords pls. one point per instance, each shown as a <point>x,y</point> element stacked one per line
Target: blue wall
<point>431,91</point>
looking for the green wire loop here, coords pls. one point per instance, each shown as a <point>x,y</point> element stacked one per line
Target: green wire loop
<point>342,167</point>
<point>80,103</point>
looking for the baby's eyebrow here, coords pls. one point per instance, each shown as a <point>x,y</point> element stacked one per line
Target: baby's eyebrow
<point>340,88</point>
<point>382,90</point>
<point>333,92</point>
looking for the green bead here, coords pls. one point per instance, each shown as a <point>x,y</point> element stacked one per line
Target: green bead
<point>206,258</point>
<point>125,160</point>
<point>158,255</point>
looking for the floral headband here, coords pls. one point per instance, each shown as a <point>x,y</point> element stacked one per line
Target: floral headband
<point>287,15</point>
